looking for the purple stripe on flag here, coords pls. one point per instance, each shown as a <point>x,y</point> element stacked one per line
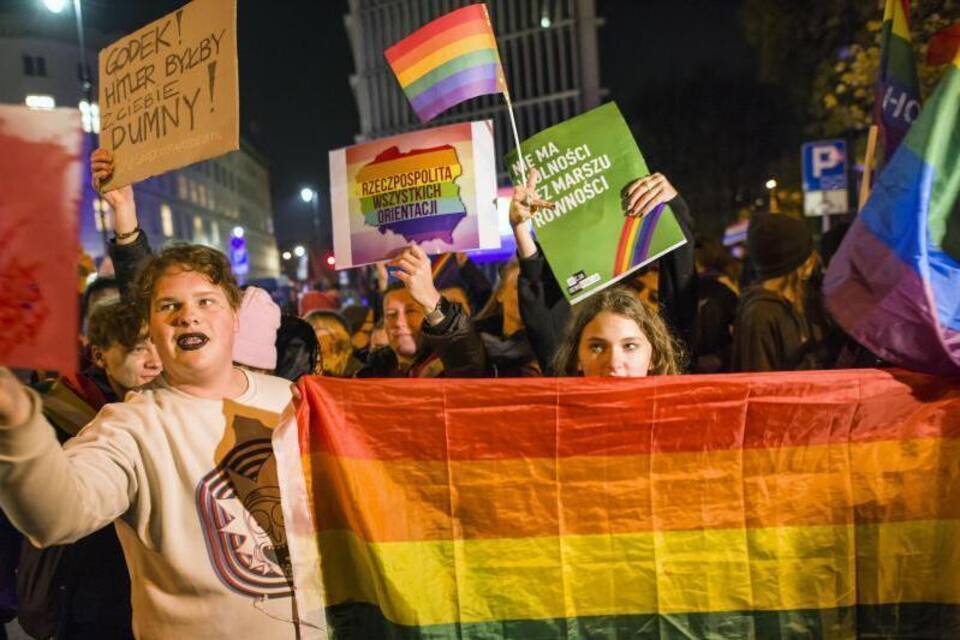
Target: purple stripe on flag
<point>469,83</point>
<point>884,304</point>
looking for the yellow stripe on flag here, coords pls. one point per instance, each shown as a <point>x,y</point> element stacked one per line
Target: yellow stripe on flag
<point>446,54</point>
<point>715,570</point>
<point>893,11</point>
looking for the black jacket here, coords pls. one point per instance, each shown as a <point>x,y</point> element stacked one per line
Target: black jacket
<point>770,335</point>
<point>127,260</point>
<point>546,312</point>
<point>454,344</point>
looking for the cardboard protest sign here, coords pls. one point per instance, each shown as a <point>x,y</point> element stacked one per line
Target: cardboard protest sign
<point>40,174</point>
<point>436,188</point>
<point>169,92</point>
<point>585,163</point>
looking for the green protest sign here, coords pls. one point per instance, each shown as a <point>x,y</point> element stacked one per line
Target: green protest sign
<point>585,164</point>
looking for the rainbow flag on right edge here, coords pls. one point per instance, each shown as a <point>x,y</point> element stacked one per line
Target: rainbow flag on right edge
<point>894,284</point>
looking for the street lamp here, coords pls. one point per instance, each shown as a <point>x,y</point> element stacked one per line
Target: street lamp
<point>55,6</point>
<point>307,194</point>
<point>774,203</point>
<point>287,255</point>
<point>299,251</point>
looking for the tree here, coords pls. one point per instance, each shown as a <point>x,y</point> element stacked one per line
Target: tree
<point>843,90</point>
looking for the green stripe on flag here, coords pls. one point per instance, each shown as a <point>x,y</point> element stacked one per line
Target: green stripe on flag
<point>356,621</point>
<point>467,60</point>
<point>935,138</point>
<point>901,63</point>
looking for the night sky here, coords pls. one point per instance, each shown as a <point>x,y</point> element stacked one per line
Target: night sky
<point>296,103</point>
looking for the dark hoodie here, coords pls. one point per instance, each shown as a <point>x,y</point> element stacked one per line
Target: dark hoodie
<point>770,335</point>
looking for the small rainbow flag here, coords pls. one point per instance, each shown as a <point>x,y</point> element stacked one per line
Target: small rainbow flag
<point>635,240</point>
<point>452,59</point>
<point>790,505</point>
<point>898,90</point>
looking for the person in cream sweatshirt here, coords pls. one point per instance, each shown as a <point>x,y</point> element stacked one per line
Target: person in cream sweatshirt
<point>184,470</point>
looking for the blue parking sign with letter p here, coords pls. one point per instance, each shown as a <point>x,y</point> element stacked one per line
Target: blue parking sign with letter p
<point>825,165</point>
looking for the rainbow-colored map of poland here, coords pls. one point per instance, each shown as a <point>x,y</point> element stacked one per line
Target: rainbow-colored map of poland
<point>413,194</point>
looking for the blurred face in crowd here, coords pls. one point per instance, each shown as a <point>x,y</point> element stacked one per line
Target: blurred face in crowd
<point>613,345</point>
<point>646,287</point>
<point>128,369</point>
<point>402,318</point>
<point>361,339</point>
<point>459,296</point>
<point>192,325</point>
<point>334,341</point>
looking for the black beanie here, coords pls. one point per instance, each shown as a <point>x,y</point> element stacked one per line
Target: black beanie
<point>777,244</point>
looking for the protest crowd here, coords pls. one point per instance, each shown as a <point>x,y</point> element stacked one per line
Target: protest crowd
<point>118,479</point>
<point>176,322</point>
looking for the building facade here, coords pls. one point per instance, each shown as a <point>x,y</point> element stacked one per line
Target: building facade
<point>548,49</point>
<point>216,202</point>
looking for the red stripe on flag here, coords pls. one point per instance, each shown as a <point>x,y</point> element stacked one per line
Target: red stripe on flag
<point>504,420</point>
<point>475,12</point>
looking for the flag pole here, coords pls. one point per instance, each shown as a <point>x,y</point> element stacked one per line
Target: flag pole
<point>516,136</point>
<point>868,160</point>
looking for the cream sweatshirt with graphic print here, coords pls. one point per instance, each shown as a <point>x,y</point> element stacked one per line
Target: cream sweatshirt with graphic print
<point>192,488</point>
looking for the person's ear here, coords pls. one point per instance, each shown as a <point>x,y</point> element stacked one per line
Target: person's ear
<point>97,354</point>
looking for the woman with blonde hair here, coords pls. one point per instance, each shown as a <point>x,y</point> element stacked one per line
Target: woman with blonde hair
<point>336,349</point>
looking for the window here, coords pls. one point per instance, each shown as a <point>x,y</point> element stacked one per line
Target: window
<point>40,64</point>
<point>28,65</point>
<point>198,230</point>
<point>166,220</point>
<point>214,233</point>
<point>40,102</point>
<point>182,187</point>
<point>90,116</point>
<point>102,215</point>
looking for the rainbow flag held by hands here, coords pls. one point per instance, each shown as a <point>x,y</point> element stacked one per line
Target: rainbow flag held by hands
<point>894,284</point>
<point>756,506</point>
<point>897,104</point>
<point>452,59</point>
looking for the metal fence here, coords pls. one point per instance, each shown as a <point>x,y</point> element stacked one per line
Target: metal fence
<point>548,49</point>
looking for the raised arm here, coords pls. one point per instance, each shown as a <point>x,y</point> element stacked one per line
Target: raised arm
<point>679,286</point>
<point>129,247</point>
<point>446,328</point>
<point>543,307</point>
<point>56,496</point>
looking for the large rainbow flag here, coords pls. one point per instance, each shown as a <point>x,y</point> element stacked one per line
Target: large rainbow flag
<point>897,103</point>
<point>894,284</point>
<point>800,505</point>
<point>452,59</point>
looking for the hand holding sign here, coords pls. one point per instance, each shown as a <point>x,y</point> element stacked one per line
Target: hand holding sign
<point>414,271</point>
<point>101,169</point>
<point>645,194</point>
<point>168,92</point>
